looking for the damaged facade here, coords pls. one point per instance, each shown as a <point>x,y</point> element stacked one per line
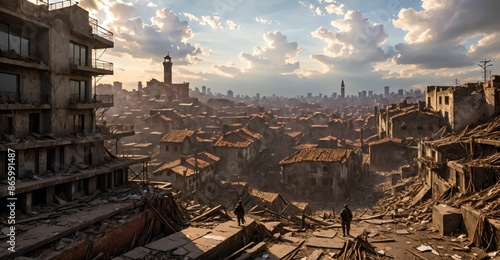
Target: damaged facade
<point>50,111</point>
<point>321,172</point>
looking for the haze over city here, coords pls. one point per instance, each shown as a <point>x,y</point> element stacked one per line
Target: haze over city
<point>293,47</point>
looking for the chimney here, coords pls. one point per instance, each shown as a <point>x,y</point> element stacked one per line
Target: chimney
<point>183,159</point>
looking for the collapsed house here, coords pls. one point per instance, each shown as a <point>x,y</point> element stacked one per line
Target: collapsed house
<point>321,172</point>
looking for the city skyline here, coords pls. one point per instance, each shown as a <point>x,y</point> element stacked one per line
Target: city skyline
<point>286,47</point>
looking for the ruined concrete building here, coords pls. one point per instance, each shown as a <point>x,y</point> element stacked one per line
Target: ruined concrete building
<point>48,111</point>
<point>321,172</point>
<point>405,120</point>
<point>466,104</point>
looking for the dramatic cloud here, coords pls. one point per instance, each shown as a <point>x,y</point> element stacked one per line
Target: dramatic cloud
<point>357,42</point>
<point>278,55</point>
<point>335,9</point>
<point>436,35</point>
<point>165,33</point>
<point>228,71</point>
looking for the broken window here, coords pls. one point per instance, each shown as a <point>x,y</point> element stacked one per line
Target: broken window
<point>403,126</point>
<point>10,88</point>
<point>446,100</point>
<point>10,125</point>
<point>12,39</point>
<point>166,148</point>
<point>325,169</point>
<point>175,148</point>
<point>428,101</point>
<point>440,100</point>
<point>34,123</point>
<point>312,181</point>
<point>313,169</point>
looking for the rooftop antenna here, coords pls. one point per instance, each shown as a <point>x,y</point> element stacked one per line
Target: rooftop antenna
<point>484,64</point>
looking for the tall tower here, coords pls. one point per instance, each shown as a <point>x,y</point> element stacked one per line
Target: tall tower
<point>342,90</point>
<point>167,70</point>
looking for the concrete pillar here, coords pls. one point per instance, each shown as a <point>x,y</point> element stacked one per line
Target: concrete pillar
<point>91,184</point>
<point>49,194</point>
<point>110,180</point>
<point>73,190</point>
<point>26,202</point>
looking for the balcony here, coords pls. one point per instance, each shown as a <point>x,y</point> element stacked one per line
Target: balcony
<point>98,67</point>
<point>103,37</point>
<point>81,102</point>
<point>62,4</point>
<point>11,101</point>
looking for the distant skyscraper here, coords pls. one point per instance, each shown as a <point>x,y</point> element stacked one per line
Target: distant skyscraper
<point>364,94</point>
<point>309,95</point>
<point>370,93</point>
<point>204,90</point>
<point>342,90</point>
<point>334,95</point>
<point>401,92</point>
<point>117,85</point>
<point>230,93</point>
<point>257,95</point>
<point>386,91</point>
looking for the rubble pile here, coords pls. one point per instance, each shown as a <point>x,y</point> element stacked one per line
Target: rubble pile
<point>359,248</point>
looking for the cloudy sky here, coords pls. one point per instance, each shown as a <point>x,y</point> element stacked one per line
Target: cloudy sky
<point>291,47</point>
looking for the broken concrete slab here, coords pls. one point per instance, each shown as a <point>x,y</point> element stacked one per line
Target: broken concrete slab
<point>137,253</point>
<point>399,187</point>
<point>446,219</point>
<point>322,242</point>
<point>325,233</point>
<point>316,255</point>
<point>278,251</point>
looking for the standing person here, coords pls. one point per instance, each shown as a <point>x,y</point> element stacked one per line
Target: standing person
<point>239,211</point>
<point>346,217</point>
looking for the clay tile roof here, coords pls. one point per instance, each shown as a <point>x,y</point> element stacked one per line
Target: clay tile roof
<point>203,160</point>
<point>318,155</point>
<point>177,136</point>
<point>265,196</point>
<point>238,138</point>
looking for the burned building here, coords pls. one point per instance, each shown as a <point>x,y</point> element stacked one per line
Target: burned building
<point>48,110</point>
<point>321,172</point>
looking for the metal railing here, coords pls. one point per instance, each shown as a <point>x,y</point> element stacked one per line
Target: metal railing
<point>8,97</point>
<point>100,31</point>
<point>78,99</point>
<point>103,65</point>
<point>103,99</point>
<point>62,4</point>
<point>122,128</point>
<point>96,64</point>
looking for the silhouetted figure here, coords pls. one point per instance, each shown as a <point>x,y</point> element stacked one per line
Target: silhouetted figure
<point>346,217</point>
<point>239,211</point>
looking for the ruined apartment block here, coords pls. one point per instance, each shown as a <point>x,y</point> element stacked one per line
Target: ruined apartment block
<point>48,112</point>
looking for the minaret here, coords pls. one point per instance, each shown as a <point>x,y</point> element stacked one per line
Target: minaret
<point>342,90</point>
<point>167,70</point>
